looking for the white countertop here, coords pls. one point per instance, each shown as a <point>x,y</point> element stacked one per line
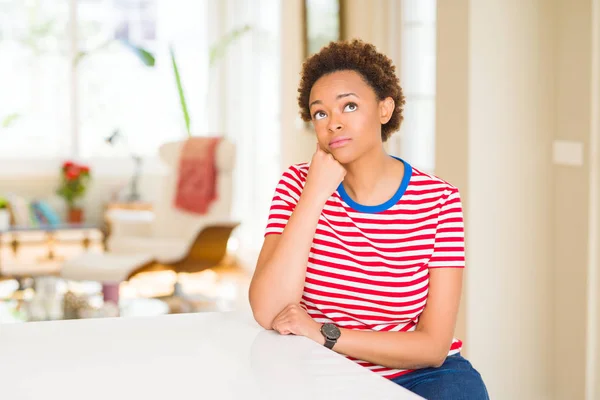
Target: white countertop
<point>185,356</point>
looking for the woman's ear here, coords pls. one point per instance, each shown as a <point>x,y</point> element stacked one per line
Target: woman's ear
<point>386,109</point>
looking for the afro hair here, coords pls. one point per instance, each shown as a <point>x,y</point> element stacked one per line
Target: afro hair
<point>376,69</point>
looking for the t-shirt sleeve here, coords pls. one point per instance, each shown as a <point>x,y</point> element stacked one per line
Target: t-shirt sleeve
<point>449,249</point>
<point>287,194</point>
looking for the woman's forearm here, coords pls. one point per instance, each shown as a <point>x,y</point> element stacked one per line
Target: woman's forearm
<point>279,281</point>
<point>398,350</point>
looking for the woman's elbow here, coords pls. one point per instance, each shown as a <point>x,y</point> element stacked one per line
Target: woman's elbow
<point>260,316</point>
<point>424,361</point>
<point>263,320</point>
<point>437,361</point>
<point>438,356</point>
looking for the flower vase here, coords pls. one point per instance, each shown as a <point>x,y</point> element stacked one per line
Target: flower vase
<point>75,215</point>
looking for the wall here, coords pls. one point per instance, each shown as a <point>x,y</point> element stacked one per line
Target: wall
<point>368,20</point>
<point>510,183</point>
<point>494,132</point>
<point>571,193</point>
<point>513,77</point>
<point>452,118</point>
<point>593,332</point>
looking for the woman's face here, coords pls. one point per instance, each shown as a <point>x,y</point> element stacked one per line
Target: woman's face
<point>347,115</point>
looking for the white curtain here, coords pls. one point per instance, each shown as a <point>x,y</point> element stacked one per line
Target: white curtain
<point>418,62</point>
<point>244,105</point>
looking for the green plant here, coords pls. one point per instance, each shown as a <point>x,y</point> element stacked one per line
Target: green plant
<point>144,55</point>
<point>219,49</point>
<point>74,182</point>
<point>183,103</point>
<point>8,120</point>
<point>3,203</point>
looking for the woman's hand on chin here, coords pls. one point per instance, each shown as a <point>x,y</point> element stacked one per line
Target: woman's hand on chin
<point>324,174</point>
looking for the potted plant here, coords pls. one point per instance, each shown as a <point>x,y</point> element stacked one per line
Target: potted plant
<point>4,214</point>
<point>73,185</point>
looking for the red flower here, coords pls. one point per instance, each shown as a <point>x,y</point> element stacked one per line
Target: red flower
<point>72,173</point>
<point>74,181</point>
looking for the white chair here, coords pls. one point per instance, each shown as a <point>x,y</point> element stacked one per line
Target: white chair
<point>173,240</point>
<point>172,232</point>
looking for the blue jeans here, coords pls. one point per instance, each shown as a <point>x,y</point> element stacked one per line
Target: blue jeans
<point>456,379</point>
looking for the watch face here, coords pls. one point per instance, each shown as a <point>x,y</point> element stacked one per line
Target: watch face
<point>331,331</point>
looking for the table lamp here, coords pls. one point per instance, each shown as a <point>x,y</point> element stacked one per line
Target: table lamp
<point>133,195</point>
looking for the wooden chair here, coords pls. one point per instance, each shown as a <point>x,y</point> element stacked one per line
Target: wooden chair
<point>208,251</point>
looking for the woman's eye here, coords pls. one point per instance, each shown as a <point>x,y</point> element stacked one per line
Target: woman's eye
<point>319,115</point>
<point>350,107</point>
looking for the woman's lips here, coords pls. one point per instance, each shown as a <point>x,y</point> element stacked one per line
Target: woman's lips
<point>340,142</point>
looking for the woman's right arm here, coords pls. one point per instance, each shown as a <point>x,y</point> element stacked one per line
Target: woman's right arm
<point>281,268</point>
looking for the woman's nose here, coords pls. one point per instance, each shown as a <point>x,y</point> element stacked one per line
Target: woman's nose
<point>334,126</point>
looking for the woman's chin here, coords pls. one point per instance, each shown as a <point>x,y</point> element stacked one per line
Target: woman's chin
<point>344,157</point>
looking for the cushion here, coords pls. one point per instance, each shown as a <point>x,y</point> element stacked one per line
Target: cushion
<point>105,268</point>
<point>166,250</point>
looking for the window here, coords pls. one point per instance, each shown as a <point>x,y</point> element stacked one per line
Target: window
<point>239,96</point>
<point>34,78</point>
<point>322,22</point>
<point>50,110</point>
<point>119,92</point>
<point>253,114</point>
<point>418,62</point>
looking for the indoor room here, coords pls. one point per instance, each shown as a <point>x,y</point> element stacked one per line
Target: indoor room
<point>155,160</point>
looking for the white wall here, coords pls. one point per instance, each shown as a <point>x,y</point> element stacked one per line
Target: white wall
<point>510,183</point>
<point>452,118</point>
<point>368,20</point>
<point>572,190</point>
<point>513,77</point>
<point>495,112</point>
<point>570,251</point>
<point>593,332</point>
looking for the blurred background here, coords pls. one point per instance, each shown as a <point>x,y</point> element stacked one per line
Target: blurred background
<point>502,100</point>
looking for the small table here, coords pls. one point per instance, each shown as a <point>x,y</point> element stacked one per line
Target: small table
<point>183,356</point>
<point>40,250</point>
<point>131,206</point>
<point>133,211</point>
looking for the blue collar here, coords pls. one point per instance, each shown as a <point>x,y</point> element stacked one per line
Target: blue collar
<point>388,204</point>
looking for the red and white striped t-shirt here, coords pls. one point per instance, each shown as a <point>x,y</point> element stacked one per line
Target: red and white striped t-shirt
<point>368,267</point>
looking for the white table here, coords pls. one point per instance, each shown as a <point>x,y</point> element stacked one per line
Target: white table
<point>185,356</point>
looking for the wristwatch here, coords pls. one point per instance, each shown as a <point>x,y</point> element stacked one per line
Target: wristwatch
<point>331,333</point>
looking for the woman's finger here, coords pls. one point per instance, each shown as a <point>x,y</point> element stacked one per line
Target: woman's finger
<point>279,318</point>
<point>282,327</point>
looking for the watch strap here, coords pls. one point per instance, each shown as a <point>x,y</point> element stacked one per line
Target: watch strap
<point>329,343</point>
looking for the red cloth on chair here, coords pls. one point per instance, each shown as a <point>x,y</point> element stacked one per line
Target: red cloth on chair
<point>197,182</point>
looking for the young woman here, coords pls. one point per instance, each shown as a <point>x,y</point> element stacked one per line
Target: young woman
<point>364,253</point>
